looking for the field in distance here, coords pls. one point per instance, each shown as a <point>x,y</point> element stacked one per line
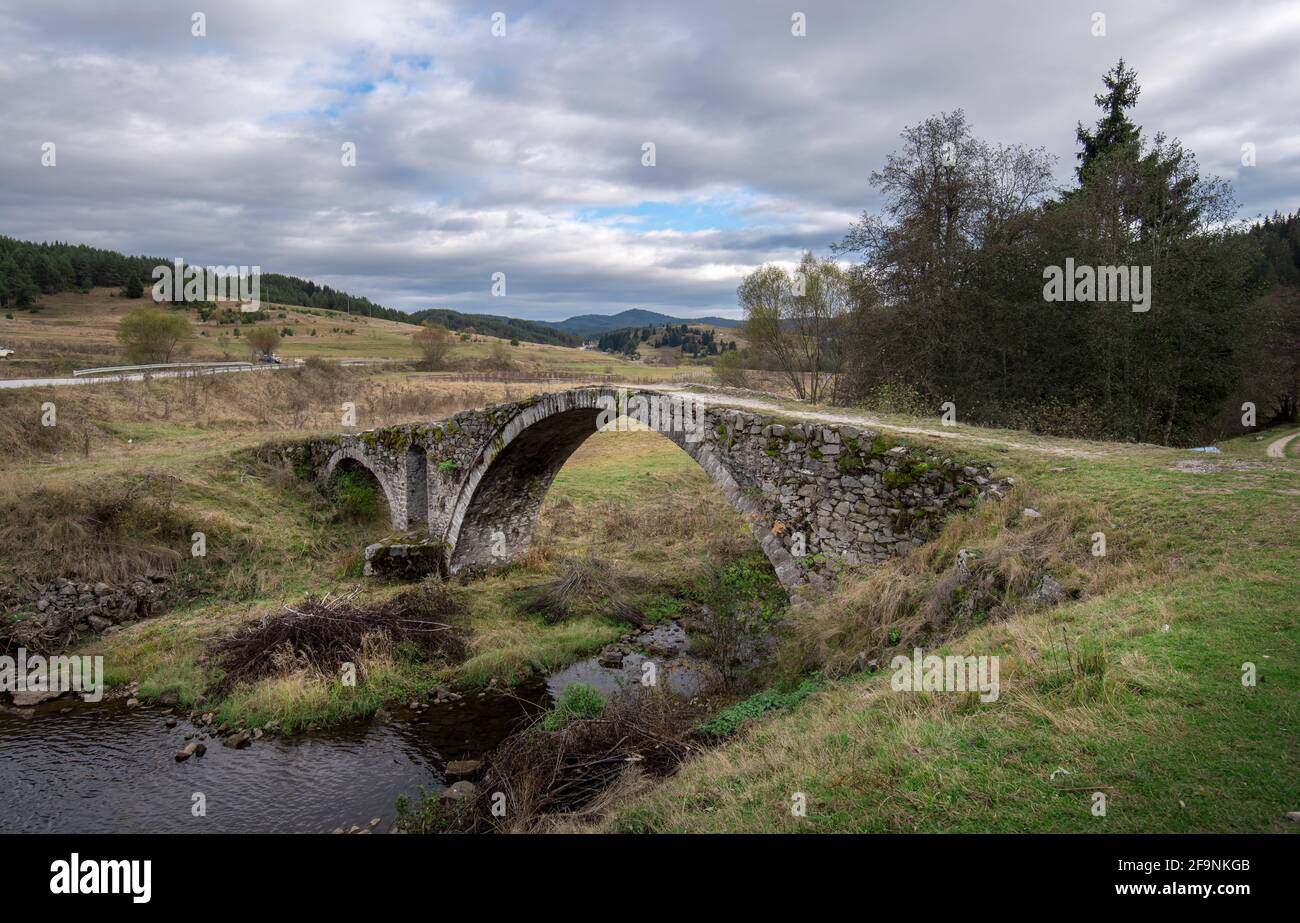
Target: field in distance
<point>73,330</point>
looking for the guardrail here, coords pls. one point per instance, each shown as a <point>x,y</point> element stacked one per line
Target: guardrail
<point>118,369</point>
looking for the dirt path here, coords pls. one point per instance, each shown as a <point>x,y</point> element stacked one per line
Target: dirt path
<point>1277,448</point>
<point>771,406</point>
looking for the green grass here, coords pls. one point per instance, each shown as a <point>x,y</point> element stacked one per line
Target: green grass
<point>732,718</point>
<point>578,702</point>
<point>1156,717</point>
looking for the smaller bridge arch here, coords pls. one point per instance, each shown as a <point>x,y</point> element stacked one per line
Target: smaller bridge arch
<point>349,456</point>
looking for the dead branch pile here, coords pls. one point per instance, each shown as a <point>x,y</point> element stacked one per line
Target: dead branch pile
<point>322,633</point>
<point>586,584</point>
<point>545,773</point>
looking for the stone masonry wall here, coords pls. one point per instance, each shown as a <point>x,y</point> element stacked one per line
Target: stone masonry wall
<point>818,497</point>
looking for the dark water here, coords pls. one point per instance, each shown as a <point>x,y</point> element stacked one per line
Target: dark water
<point>665,645</point>
<point>71,767</point>
<point>108,768</point>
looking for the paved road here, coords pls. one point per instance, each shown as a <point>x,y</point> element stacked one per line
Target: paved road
<point>132,376</point>
<point>1277,448</point>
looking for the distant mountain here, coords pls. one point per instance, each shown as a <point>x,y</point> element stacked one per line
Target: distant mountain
<point>571,332</point>
<point>589,325</point>
<point>507,328</point>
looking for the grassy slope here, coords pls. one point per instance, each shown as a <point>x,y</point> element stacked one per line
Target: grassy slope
<point>77,331</point>
<point>1164,726</point>
<point>290,543</point>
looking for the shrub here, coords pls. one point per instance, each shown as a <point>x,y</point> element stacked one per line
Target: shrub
<point>729,372</point>
<point>152,335</point>
<point>897,396</point>
<point>356,497</point>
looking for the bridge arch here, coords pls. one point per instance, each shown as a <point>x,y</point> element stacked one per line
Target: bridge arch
<point>492,516</point>
<point>354,457</point>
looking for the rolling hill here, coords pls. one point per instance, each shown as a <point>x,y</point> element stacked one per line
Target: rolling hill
<point>588,325</point>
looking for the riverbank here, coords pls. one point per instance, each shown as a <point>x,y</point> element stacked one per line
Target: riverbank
<point>1162,699</point>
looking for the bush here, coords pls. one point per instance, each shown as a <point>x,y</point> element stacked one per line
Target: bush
<point>434,343</point>
<point>356,497</point>
<point>152,335</point>
<point>729,372</point>
<point>263,340</point>
<point>897,396</point>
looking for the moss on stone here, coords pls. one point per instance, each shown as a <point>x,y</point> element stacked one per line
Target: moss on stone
<point>848,462</point>
<point>880,445</point>
<point>393,439</point>
<point>906,475</point>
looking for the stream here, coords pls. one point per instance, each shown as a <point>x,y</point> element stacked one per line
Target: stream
<point>73,767</point>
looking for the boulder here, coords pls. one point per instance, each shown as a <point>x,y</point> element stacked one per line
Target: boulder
<point>462,769</point>
<point>402,561</point>
<point>193,748</point>
<point>30,698</point>
<point>460,791</point>
<point>610,657</point>
<point>239,740</point>
<point>1048,592</point>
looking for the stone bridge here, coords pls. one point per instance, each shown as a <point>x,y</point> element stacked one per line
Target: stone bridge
<point>816,497</point>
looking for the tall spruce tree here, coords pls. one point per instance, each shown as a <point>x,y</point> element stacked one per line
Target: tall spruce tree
<point>1114,130</point>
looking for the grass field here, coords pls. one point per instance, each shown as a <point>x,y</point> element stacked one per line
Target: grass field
<point>73,330</point>
<point>1132,688</point>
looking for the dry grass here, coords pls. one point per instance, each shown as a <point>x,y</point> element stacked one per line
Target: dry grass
<point>107,530</point>
<point>92,422</point>
<point>983,567</point>
<point>641,503</point>
<point>73,330</point>
<point>586,585</point>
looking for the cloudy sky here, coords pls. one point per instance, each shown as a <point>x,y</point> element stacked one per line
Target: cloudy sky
<point>522,154</point>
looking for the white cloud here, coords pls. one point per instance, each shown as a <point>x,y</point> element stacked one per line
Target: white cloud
<point>479,154</point>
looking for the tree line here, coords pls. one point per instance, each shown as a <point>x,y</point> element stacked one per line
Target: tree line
<point>947,294</point>
<point>692,342</point>
<point>507,328</point>
<point>29,270</point>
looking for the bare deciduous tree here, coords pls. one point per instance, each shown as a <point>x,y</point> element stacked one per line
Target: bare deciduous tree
<point>794,319</point>
<point>434,342</point>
